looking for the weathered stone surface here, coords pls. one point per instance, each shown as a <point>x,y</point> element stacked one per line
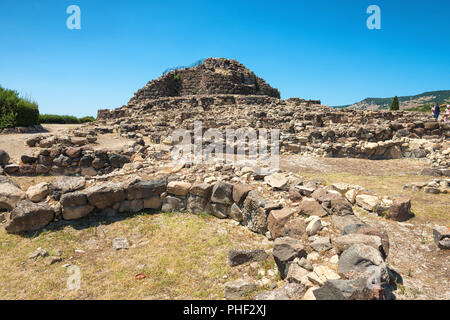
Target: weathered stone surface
<point>196,204</point>
<point>277,220</point>
<point>222,192</point>
<point>238,289</point>
<point>361,228</point>
<point>4,157</point>
<point>277,181</point>
<point>146,189</point>
<point>38,192</point>
<point>295,228</point>
<point>68,184</point>
<point>342,243</point>
<point>347,290</point>
<point>76,212</point>
<point>400,210</point>
<point>219,210</point>
<point>29,216</point>
<point>105,195</point>
<point>441,236</point>
<point>201,190</point>
<point>320,244</point>
<point>240,192</point>
<point>254,214</point>
<point>154,202</point>
<point>297,274</point>
<point>131,205</point>
<point>367,202</point>
<point>73,152</point>
<point>311,207</point>
<point>295,195</point>
<point>339,222</point>
<point>285,250</point>
<point>362,260</point>
<point>238,257</point>
<point>172,204</point>
<point>10,194</point>
<point>236,213</point>
<point>178,188</point>
<point>118,160</point>
<point>314,226</point>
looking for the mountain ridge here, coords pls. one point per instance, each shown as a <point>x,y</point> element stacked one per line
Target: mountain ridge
<point>406,102</point>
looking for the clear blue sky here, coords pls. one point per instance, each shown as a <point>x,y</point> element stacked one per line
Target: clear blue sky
<point>310,49</point>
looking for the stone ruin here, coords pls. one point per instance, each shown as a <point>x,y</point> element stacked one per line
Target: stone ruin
<point>305,219</point>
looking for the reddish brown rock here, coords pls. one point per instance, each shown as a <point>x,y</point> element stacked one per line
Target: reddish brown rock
<point>311,207</point>
<point>277,220</point>
<point>400,210</point>
<point>240,192</point>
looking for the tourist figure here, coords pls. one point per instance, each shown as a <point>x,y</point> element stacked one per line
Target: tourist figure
<point>447,114</point>
<point>437,111</point>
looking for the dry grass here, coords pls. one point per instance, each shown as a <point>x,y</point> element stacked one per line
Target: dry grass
<point>182,256</point>
<point>426,207</point>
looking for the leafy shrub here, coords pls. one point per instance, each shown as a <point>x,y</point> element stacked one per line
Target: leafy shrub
<point>16,111</point>
<point>27,114</point>
<point>57,119</point>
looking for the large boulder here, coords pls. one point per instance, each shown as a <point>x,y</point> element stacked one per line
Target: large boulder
<point>361,228</point>
<point>140,189</point>
<point>277,220</point>
<point>75,205</point>
<point>285,250</point>
<point>363,261</point>
<point>342,243</point>
<point>311,207</point>
<point>178,188</point>
<point>367,202</point>
<point>105,195</point>
<point>240,192</point>
<point>400,210</point>
<point>29,216</point>
<point>277,181</point>
<point>222,192</point>
<point>38,192</point>
<point>64,184</point>
<point>4,157</point>
<point>10,194</point>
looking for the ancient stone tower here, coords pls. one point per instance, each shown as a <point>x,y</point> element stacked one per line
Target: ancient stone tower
<point>213,76</point>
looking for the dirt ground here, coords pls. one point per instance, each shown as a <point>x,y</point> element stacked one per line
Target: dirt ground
<point>15,144</point>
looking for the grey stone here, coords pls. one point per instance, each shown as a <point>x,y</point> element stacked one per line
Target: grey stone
<point>29,216</point>
<point>285,250</point>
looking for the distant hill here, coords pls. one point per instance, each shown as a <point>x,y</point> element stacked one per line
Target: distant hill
<point>406,102</point>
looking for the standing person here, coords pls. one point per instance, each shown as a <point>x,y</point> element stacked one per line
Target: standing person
<point>437,111</point>
<point>433,108</point>
<point>447,114</point>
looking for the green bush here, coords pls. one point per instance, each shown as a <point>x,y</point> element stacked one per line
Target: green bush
<point>27,114</point>
<point>16,111</point>
<point>57,119</point>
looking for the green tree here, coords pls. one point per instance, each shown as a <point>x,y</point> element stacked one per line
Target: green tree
<point>395,104</point>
